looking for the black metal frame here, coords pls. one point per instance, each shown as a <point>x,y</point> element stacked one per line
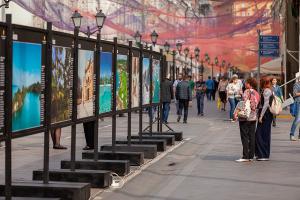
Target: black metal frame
<point>50,38</point>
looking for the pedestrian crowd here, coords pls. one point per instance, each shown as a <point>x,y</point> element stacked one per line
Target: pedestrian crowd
<point>255,111</point>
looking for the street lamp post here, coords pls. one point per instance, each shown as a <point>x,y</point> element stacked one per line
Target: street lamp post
<point>191,66</point>
<point>179,47</point>
<point>76,18</point>
<point>174,65</point>
<point>100,19</point>
<point>138,38</point>
<point>154,37</point>
<point>186,53</point>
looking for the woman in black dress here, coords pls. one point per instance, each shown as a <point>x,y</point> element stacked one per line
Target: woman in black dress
<point>263,131</point>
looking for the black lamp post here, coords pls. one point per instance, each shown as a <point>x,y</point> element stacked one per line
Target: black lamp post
<point>174,64</point>
<point>186,53</point>
<point>222,66</point>
<point>76,18</point>
<point>154,37</point>
<point>179,47</point>
<point>138,38</point>
<point>100,19</point>
<point>167,47</point>
<point>6,4</point>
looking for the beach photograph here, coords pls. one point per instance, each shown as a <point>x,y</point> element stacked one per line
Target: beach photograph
<point>135,82</point>
<point>146,81</point>
<point>122,82</point>
<point>156,81</point>
<point>85,89</point>
<point>105,88</point>
<point>61,83</point>
<point>26,85</point>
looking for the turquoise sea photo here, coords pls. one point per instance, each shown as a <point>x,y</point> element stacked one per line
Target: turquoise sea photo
<point>146,81</point>
<point>105,90</point>
<point>26,85</point>
<point>156,81</point>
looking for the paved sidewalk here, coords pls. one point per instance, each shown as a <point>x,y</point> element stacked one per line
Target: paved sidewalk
<point>201,168</point>
<point>204,167</point>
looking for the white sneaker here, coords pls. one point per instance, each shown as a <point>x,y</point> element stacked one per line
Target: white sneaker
<point>242,160</point>
<point>262,159</point>
<point>292,138</point>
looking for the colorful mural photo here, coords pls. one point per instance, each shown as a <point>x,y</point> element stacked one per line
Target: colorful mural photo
<point>85,89</point>
<point>122,82</point>
<point>105,88</point>
<point>155,81</point>
<point>135,82</point>
<point>26,85</point>
<point>146,81</point>
<point>61,83</point>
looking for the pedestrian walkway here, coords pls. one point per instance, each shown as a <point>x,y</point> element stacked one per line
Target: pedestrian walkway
<point>201,168</point>
<point>204,167</point>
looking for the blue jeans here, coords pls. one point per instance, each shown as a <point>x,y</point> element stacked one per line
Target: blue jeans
<point>200,103</point>
<point>296,120</point>
<point>166,110</point>
<point>233,102</point>
<point>209,94</point>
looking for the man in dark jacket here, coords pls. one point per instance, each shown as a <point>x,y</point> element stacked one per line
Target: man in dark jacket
<point>166,97</point>
<point>183,95</point>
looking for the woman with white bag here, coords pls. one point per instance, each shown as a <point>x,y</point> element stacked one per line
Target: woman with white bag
<point>246,113</point>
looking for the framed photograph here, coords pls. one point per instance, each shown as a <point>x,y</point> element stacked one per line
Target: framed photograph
<point>146,81</point>
<point>85,89</point>
<point>61,84</point>
<point>26,86</point>
<point>122,82</point>
<point>105,88</point>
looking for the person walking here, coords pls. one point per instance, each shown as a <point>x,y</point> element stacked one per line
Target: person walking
<point>56,135</point>
<point>263,131</point>
<point>296,93</point>
<point>184,96</point>
<point>209,88</point>
<point>200,93</point>
<point>88,128</point>
<point>178,80</point>
<point>222,91</point>
<point>215,88</point>
<point>278,92</point>
<point>167,96</point>
<point>191,84</point>
<point>234,92</point>
<point>248,125</point>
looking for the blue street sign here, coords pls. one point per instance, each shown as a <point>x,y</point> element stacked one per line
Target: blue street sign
<point>268,46</point>
<point>269,53</point>
<point>269,38</point>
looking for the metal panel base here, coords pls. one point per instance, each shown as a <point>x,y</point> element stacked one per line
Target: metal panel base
<point>178,135</point>
<point>160,144</point>
<point>150,151</point>
<point>61,190</point>
<point>97,178</point>
<point>170,139</point>
<point>135,158</point>
<point>120,167</point>
<point>30,198</point>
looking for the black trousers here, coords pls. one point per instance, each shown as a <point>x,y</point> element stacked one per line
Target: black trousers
<point>184,104</point>
<point>263,136</point>
<point>247,131</point>
<point>88,128</point>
